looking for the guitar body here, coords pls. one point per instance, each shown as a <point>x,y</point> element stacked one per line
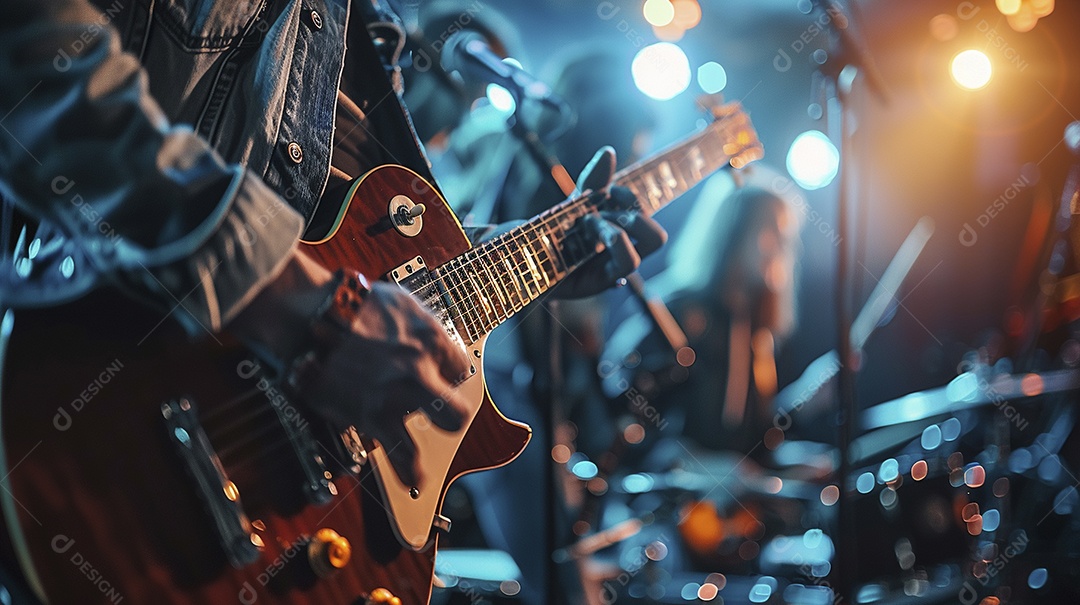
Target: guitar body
<point>102,500</point>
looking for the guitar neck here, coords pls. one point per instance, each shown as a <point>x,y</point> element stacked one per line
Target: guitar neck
<point>493,281</point>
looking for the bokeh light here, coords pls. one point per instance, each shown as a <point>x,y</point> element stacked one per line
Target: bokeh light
<point>813,161</point>
<point>661,70</point>
<point>830,495</point>
<point>971,69</point>
<point>944,27</point>
<point>658,12</point>
<point>1008,7</point>
<point>687,13</point>
<point>711,77</point>
<point>1024,20</point>
<point>1041,8</point>
<point>500,98</point>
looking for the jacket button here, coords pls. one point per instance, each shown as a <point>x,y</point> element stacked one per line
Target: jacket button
<point>296,153</point>
<point>315,19</point>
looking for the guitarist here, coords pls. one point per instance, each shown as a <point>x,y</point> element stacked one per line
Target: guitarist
<point>184,146</point>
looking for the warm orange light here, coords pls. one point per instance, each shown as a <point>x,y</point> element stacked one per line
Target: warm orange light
<point>944,27</point>
<point>919,470</point>
<point>1024,20</point>
<point>971,69</point>
<point>687,13</point>
<point>1008,7</point>
<point>1041,8</point>
<point>701,527</point>
<point>1031,385</point>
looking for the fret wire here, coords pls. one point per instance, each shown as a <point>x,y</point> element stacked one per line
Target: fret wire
<point>475,279</point>
<point>493,285</point>
<point>465,311</point>
<point>519,236</point>
<point>529,265</point>
<point>467,298</point>
<point>464,289</point>
<point>504,267</point>
<point>497,283</point>
<point>469,278</point>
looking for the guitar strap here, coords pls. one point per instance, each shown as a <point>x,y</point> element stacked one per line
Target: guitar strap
<point>370,82</point>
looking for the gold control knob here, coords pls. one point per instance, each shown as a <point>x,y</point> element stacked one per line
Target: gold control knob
<point>328,552</point>
<point>382,596</point>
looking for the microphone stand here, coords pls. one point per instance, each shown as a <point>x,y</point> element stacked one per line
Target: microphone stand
<point>550,410</point>
<point>849,51</point>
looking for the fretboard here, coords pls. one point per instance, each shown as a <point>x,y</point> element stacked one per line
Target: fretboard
<point>491,282</point>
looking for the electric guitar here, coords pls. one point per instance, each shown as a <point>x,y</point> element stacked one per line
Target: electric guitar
<point>142,467</point>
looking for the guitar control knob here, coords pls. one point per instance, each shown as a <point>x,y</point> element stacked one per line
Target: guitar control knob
<point>328,552</point>
<point>381,596</point>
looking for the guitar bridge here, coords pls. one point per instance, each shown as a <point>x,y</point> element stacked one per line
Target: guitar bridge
<point>221,496</point>
<point>317,485</point>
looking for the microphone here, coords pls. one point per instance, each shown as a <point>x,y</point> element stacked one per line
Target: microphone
<point>468,52</point>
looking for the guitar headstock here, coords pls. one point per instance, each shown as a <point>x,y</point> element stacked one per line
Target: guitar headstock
<point>743,144</point>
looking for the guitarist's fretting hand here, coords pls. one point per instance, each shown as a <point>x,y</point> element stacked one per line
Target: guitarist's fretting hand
<point>397,355</point>
<point>627,235</point>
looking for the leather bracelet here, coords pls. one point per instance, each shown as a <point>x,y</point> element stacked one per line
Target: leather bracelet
<point>330,325</point>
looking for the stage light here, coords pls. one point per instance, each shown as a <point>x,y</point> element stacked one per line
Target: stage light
<point>971,69</point>
<point>813,161</point>
<point>658,12</point>
<point>661,70</point>
<point>500,98</point>
<point>711,77</point>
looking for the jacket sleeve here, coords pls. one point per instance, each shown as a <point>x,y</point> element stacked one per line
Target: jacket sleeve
<point>84,146</point>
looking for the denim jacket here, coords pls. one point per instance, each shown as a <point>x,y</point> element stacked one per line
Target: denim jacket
<point>163,138</point>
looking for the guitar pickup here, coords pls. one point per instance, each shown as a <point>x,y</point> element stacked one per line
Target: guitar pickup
<point>317,485</point>
<point>221,496</point>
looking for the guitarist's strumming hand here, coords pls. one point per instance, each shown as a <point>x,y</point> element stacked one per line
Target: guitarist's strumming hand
<point>396,359</point>
<point>626,234</point>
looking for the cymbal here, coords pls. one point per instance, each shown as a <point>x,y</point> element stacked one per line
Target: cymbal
<point>966,391</point>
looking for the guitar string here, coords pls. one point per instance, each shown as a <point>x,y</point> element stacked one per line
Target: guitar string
<point>477,314</point>
<point>700,141</point>
<point>524,236</point>
<point>479,311</point>
<point>636,172</point>
<point>459,268</point>
<point>470,299</point>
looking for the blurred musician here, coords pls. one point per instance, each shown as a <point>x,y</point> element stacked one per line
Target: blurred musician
<point>731,286</point>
